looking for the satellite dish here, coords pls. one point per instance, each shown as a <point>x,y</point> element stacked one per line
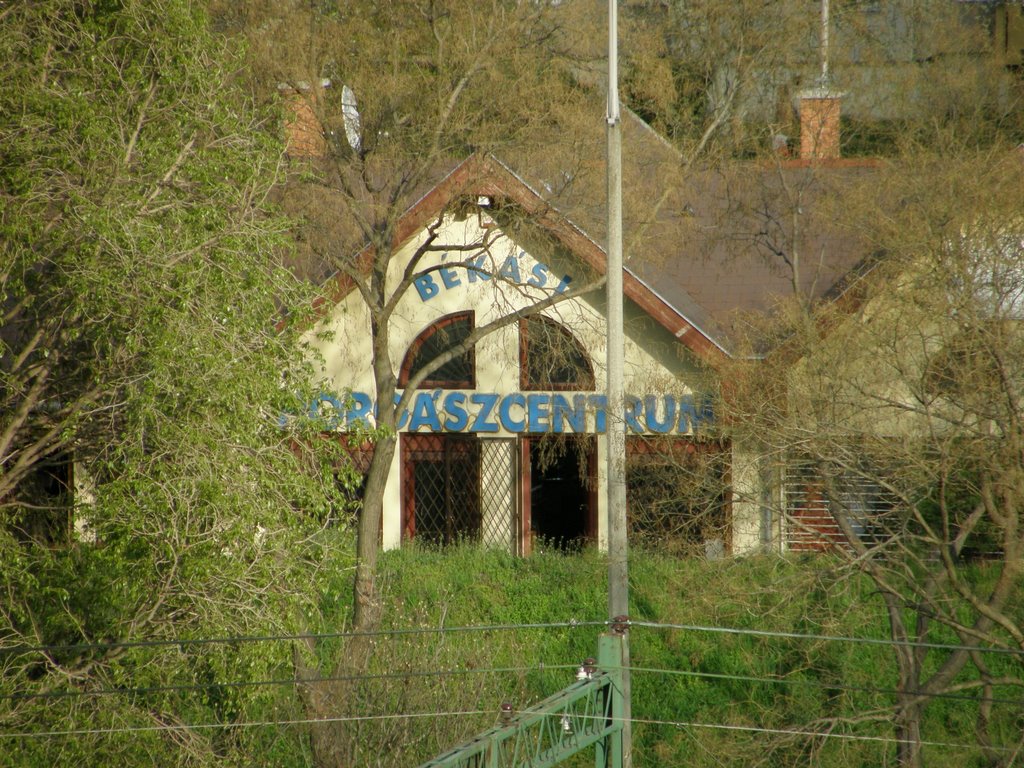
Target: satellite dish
<point>350,116</point>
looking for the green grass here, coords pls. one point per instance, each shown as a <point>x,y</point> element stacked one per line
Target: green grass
<point>695,676</point>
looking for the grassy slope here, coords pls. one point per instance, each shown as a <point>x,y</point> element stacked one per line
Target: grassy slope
<point>469,586</point>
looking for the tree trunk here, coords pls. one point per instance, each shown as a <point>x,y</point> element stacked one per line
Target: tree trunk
<point>367,605</point>
<point>337,744</point>
<point>908,735</point>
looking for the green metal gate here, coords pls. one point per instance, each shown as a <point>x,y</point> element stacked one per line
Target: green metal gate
<point>588,713</point>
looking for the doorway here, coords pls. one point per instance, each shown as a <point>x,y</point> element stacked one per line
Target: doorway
<point>559,500</point>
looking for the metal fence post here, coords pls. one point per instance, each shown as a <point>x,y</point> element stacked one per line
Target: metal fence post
<point>609,659</point>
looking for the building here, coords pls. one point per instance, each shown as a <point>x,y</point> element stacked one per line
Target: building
<point>505,443</point>
<point>471,460</point>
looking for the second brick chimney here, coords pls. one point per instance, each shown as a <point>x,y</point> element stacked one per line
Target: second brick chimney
<point>304,135</point>
<point>819,124</point>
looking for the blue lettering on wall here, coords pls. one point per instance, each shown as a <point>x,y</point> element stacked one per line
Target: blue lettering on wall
<point>403,417</point>
<point>424,412</point>
<point>537,409</point>
<point>632,414</point>
<point>518,412</point>
<point>331,416</point>
<point>425,287</point>
<point>449,277</point>
<point>600,405</point>
<point>454,407</point>
<point>664,425</point>
<point>505,412</point>
<point>483,422</point>
<point>690,416</point>
<point>359,410</point>
<point>575,415</point>
<point>540,275</point>
<point>477,271</point>
<point>510,269</point>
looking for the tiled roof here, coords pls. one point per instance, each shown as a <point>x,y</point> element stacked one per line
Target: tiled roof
<point>718,244</point>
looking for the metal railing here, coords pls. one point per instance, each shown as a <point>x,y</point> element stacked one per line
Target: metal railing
<point>587,713</point>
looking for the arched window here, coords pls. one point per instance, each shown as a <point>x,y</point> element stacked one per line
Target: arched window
<point>550,357</point>
<point>438,338</point>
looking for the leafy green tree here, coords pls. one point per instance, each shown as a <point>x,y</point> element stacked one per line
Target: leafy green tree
<point>142,381</point>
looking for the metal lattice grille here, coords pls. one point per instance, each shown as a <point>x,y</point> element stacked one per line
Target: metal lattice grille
<point>458,487</point>
<point>814,496</point>
<point>498,474</point>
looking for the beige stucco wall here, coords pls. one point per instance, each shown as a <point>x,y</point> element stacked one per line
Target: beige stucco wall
<point>748,490</point>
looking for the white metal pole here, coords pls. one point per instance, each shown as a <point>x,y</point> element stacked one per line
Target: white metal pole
<point>618,575</point>
<point>824,43</point>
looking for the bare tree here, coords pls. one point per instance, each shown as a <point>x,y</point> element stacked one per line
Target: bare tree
<point>887,406</point>
<point>895,415</point>
<point>402,93</point>
<point>412,92</point>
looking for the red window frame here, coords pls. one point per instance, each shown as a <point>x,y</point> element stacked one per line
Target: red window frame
<point>585,382</point>
<point>405,372</point>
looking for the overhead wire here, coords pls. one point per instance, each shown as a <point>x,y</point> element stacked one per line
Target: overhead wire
<point>793,732</point>
<point>246,724</point>
<point>812,734</point>
<point>840,638</point>
<point>304,636</point>
<point>569,624</point>
<point>822,684</point>
<point>452,672</point>
<point>171,688</point>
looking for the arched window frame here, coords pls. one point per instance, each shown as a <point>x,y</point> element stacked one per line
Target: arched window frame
<point>406,371</point>
<point>584,382</point>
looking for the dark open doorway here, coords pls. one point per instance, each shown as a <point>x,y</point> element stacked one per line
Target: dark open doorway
<point>561,494</point>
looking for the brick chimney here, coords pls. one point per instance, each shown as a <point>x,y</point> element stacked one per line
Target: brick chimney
<point>819,124</point>
<point>304,135</point>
